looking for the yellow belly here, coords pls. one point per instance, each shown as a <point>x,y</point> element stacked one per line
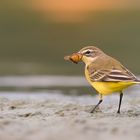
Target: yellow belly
<point>106,88</point>
<point>109,87</point>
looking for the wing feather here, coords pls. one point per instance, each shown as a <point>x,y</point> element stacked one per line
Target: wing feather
<point>113,75</point>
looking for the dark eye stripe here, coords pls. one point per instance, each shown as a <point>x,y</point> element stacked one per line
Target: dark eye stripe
<point>87,52</point>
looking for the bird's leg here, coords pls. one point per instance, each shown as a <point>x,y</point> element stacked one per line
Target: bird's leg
<point>121,96</point>
<point>100,101</point>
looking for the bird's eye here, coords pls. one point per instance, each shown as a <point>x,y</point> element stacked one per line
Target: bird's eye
<point>88,52</point>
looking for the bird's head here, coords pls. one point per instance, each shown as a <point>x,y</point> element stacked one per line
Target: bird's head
<point>87,55</point>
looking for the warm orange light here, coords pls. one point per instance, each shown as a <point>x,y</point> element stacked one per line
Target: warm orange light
<point>74,10</point>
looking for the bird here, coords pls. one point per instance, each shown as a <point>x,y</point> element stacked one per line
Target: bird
<point>105,74</point>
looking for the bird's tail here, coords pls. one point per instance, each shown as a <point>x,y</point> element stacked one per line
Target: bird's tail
<point>137,81</point>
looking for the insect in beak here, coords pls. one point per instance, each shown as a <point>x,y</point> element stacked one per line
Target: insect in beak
<point>75,57</point>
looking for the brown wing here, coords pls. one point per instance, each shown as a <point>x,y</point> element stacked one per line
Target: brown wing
<point>112,75</point>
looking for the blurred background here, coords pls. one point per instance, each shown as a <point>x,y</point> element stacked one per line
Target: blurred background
<point>35,35</point>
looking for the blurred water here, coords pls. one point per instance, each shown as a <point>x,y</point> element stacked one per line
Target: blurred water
<point>70,85</point>
<point>43,81</point>
<point>73,85</point>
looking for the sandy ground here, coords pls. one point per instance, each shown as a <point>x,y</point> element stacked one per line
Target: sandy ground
<point>29,116</point>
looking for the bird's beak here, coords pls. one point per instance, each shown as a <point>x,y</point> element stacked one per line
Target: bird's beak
<point>75,57</point>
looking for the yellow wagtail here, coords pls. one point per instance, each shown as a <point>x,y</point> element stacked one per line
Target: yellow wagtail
<point>104,73</point>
